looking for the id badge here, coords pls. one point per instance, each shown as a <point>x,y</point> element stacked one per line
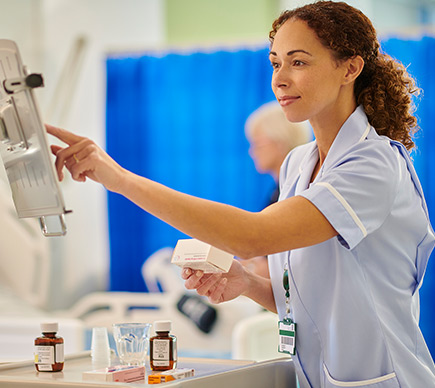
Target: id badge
<point>287,337</point>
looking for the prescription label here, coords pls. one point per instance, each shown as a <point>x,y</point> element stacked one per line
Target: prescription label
<point>44,355</point>
<point>161,352</point>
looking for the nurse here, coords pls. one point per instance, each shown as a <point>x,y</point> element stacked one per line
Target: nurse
<point>349,239</point>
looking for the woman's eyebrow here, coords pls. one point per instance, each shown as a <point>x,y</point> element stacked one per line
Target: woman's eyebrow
<point>292,52</point>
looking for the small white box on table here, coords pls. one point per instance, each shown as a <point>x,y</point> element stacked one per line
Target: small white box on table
<point>118,373</point>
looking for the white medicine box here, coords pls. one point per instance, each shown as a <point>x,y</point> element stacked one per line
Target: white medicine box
<point>199,255</point>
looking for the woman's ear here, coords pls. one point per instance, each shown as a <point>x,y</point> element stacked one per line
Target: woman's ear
<point>354,67</point>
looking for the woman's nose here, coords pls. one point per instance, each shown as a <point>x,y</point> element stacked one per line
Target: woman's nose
<point>279,80</point>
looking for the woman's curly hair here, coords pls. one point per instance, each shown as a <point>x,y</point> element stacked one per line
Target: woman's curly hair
<point>384,87</point>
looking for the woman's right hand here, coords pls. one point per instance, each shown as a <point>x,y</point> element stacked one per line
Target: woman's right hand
<point>218,287</point>
<point>84,159</point>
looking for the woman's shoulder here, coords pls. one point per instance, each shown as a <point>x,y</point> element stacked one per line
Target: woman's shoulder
<point>377,157</point>
<point>377,149</point>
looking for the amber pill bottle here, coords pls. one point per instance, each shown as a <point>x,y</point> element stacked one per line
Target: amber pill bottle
<point>49,355</point>
<point>163,347</point>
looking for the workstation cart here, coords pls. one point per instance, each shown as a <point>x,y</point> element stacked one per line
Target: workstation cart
<point>210,373</point>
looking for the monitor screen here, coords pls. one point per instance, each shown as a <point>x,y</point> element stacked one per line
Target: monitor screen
<point>24,145</point>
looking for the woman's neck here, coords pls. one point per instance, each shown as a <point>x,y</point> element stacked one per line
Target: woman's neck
<point>326,127</point>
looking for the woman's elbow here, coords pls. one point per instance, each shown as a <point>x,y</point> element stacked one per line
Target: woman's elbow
<point>249,249</point>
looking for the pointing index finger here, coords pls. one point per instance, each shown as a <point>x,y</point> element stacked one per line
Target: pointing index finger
<point>64,135</point>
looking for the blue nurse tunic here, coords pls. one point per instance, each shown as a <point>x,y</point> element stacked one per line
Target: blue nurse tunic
<point>354,298</point>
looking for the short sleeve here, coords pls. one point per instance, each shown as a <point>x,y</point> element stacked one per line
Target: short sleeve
<point>356,193</point>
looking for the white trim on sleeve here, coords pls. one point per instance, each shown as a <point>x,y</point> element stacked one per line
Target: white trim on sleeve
<point>346,205</point>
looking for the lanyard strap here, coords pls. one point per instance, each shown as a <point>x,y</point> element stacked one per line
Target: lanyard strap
<point>287,328</point>
<point>286,285</point>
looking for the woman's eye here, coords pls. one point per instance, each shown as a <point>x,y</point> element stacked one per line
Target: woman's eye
<point>274,65</point>
<point>298,63</point>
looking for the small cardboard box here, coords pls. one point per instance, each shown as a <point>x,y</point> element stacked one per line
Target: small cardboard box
<point>118,373</point>
<point>198,255</point>
<point>170,375</point>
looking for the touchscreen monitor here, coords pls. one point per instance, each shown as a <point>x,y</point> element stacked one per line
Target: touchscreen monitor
<point>24,145</point>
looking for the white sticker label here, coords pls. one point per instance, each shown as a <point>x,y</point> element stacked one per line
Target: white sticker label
<point>45,367</point>
<point>161,352</point>
<point>59,353</point>
<point>44,355</point>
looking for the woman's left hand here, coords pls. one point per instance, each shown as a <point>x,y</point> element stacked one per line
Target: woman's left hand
<point>218,287</point>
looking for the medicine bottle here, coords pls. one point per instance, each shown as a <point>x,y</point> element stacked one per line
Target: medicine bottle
<point>163,347</point>
<point>49,349</point>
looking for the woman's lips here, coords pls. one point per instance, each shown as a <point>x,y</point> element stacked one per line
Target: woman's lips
<point>287,100</point>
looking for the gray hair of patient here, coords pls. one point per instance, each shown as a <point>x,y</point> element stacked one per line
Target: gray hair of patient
<point>270,121</point>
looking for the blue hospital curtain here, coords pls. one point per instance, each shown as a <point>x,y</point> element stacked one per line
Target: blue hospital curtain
<point>179,119</point>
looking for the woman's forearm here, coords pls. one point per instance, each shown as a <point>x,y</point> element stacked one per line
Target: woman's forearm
<point>260,291</point>
<point>286,225</point>
<point>226,227</point>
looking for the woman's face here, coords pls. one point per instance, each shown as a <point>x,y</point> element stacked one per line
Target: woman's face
<point>306,80</point>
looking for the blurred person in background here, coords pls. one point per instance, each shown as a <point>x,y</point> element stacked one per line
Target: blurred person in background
<point>271,137</point>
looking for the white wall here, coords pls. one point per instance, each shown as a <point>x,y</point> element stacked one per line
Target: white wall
<point>45,31</point>
<point>386,15</point>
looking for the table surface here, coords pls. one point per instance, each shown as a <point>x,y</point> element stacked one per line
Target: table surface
<point>208,372</point>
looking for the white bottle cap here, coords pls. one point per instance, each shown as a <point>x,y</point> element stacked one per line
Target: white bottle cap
<point>51,327</point>
<point>162,326</point>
